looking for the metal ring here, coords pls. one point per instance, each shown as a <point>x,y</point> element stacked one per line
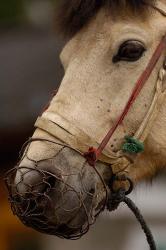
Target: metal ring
<point>116,178</point>
<point>131,186</point>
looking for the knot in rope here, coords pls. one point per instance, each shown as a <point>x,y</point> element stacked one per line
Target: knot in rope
<point>91,156</point>
<point>115,199</point>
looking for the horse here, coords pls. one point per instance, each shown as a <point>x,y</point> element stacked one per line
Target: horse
<point>114,62</point>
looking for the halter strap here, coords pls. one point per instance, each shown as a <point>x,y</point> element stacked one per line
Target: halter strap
<point>68,133</point>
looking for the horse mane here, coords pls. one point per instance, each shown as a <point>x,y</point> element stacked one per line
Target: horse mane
<point>72,15</point>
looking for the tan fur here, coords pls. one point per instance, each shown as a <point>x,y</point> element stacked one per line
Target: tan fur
<point>94,90</point>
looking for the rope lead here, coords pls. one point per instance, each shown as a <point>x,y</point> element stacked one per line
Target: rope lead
<point>142,222</point>
<point>120,196</point>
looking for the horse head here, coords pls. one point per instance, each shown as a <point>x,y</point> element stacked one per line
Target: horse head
<point>58,188</point>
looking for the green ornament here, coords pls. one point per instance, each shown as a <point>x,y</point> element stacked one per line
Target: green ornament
<point>132,145</point>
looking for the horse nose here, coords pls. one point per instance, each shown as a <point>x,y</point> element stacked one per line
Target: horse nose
<point>49,177</point>
<point>32,179</point>
<point>58,196</point>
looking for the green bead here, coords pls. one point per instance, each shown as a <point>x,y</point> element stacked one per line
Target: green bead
<point>132,145</point>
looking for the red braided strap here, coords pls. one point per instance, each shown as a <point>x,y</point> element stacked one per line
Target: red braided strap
<point>93,154</point>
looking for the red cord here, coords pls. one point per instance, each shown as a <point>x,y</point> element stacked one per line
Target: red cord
<point>93,154</point>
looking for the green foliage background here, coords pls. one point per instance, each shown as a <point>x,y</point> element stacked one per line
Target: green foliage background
<point>11,12</point>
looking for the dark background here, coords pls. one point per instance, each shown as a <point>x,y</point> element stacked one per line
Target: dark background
<point>30,71</point>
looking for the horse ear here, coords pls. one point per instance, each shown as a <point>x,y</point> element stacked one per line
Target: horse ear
<point>72,15</point>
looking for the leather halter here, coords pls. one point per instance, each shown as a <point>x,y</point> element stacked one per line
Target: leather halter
<point>60,128</point>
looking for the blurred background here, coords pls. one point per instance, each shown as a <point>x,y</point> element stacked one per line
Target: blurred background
<point>30,71</point>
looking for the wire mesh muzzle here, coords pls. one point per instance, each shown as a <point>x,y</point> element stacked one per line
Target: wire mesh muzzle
<point>64,202</point>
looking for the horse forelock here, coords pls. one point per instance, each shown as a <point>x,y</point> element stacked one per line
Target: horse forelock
<point>73,15</point>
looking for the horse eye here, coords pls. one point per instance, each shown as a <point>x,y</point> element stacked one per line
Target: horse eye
<point>130,51</point>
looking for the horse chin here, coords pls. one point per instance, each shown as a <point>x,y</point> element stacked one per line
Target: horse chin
<point>59,196</point>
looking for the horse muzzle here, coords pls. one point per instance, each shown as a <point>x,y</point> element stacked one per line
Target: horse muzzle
<point>57,196</point>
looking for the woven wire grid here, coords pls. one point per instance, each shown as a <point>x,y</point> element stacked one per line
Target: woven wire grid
<point>37,206</point>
